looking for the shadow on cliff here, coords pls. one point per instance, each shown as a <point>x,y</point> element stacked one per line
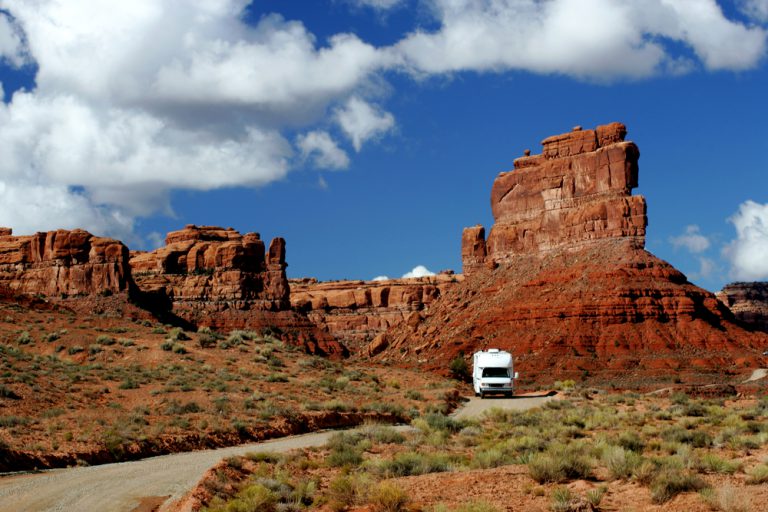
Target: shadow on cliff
<point>160,305</point>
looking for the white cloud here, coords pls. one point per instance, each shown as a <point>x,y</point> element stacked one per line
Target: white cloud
<point>755,9</point>
<point>135,99</point>
<point>600,39</point>
<point>380,278</point>
<point>419,271</point>
<point>361,121</point>
<point>11,48</point>
<point>748,253</point>
<point>377,4</point>
<point>692,240</point>
<point>323,150</point>
<point>707,267</point>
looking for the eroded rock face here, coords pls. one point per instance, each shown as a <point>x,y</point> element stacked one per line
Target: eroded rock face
<point>566,285</point>
<point>578,190</point>
<point>748,302</point>
<point>213,264</point>
<point>62,263</point>
<point>216,277</point>
<point>356,312</point>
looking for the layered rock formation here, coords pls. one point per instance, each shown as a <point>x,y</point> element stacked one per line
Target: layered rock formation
<point>62,263</point>
<point>212,264</point>
<point>564,283</point>
<point>216,277</point>
<point>357,312</point>
<point>748,302</point>
<point>577,191</point>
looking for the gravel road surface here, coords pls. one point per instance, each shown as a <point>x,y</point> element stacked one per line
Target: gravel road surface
<point>121,486</point>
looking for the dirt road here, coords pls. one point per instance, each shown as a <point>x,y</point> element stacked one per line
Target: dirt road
<point>120,487</point>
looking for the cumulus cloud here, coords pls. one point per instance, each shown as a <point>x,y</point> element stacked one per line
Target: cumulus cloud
<point>11,47</point>
<point>748,252</point>
<point>361,121</point>
<point>755,9</point>
<point>418,271</point>
<point>318,146</point>
<point>692,240</point>
<point>600,39</point>
<point>134,99</point>
<point>380,278</point>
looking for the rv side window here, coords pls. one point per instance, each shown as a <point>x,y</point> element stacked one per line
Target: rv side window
<point>495,372</point>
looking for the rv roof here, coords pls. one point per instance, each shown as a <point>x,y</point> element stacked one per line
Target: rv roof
<point>493,350</point>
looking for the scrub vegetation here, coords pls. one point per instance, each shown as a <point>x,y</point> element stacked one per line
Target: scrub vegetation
<point>584,452</point>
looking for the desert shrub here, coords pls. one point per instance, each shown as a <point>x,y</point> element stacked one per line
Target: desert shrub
<point>6,392</point>
<point>645,472</point>
<point>345,491</point>
<point>94,349</point>
<point>620,463</point>
<point>75,349</point>
<point>178,348</point>
<point>105,340</point>
<point>726,499</point>
<point>459,368</point>
<point>178,334</point>
<point>126,342</point>
<point>128,384</point>
<point>253,497</point>
<point>437,421</point>
<point>412,394</point>
<point>758,475</point>
<point>167,346</point>
<point>695,438</point>
<point>670,482</point>
<point>413,463</point>
<point>595,496</point>
<point>344,450</point>
<point>679,398</point>
<point>24,338</point>
<point>176,407</point>
<point>12,421</point>
<point>51,336</point>
<point>491,458</point>
<point>559,463</point>
<point>712,463</point>
<point>383,434</point>
<point>631,441</point>
<point>561,499</point>
<point>387,497</point>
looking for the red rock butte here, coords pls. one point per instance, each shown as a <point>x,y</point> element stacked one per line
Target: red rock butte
<point>62,263</point>
<point>563,280</point>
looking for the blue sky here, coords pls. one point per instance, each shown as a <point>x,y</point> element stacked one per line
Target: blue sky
<point>368,132</point>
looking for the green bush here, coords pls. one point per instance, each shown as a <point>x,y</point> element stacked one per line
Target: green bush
<point>459,368</point>
<point>758,475</point>
<point>560,463</point>
<point>670,482</point>
<point>387,497</point>
<point>413,463</point>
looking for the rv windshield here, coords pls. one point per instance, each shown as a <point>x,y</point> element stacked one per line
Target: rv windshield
<point>495,372</point>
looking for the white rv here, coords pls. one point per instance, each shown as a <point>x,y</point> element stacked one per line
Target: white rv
<point>492,372</point>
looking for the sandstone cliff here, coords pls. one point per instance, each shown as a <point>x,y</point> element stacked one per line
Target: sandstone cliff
<point>748,302</point>
<point>62,263</point>
<point>356,312</point>
<point>564,283</point>
<point>216,277</point>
